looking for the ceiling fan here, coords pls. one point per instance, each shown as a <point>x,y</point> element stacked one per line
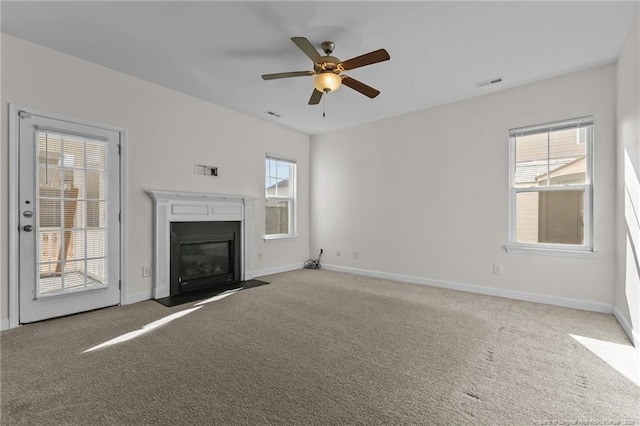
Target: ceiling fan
<point>327,69</point>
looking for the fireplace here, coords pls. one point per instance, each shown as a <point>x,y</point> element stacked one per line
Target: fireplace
<point>208,228</point>
<point>204,255</point>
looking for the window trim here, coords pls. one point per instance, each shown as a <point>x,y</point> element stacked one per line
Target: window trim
<point>583,250</point>
<point>293,228</point>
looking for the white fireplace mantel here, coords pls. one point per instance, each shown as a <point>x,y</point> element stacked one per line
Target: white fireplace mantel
<point>193,207</point>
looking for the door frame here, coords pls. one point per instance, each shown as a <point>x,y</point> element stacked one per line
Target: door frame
<point>14,217</point>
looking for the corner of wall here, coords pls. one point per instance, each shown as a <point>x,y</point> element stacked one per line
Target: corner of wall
<point>627,271</point>
<point>629,331</point>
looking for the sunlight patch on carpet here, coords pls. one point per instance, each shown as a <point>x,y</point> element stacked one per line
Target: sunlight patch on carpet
<point>218,297</point>
<point>625,359</point>
<point>148,328</point>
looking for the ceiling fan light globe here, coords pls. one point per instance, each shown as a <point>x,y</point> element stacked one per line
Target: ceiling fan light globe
<point>327,82</point>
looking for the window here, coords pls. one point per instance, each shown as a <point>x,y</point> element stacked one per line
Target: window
<point>551,186</point>
<point>280,193</point>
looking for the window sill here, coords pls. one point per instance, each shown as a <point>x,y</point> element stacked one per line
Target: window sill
<point>279,237</point>
<point>551,252</point>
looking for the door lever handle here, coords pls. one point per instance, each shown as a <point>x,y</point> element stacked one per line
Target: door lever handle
<point>28,228</point>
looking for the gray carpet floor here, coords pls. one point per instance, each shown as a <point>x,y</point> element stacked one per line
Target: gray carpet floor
<point>319,347</point>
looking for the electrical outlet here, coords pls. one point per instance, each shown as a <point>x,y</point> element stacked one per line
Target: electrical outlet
<point>497,269</point>
<point>259,256</point>
<point>338,253</point>
<point>356,254</point>
<point>146,271</point>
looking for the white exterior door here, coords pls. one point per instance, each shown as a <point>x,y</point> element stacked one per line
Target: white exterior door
<point>69,217</point>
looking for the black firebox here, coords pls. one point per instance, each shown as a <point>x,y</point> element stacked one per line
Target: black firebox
<point>204,255</point>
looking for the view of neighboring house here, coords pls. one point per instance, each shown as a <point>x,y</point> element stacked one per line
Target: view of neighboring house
<point>550,159</point>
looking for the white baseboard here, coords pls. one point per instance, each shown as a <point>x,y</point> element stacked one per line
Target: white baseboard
<point>584,305</point>
<point>277,270</point>
<point>4,324</point>
<point>630,332</point>
<point>139,296</point>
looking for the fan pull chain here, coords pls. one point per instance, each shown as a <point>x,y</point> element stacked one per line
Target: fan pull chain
<point>324,104</point>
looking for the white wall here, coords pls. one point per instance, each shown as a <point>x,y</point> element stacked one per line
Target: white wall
<point>167,133</point>
<point>424,196</point>
<point>627,301</point>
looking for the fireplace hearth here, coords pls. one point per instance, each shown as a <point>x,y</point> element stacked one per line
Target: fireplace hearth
<point>204,255</point>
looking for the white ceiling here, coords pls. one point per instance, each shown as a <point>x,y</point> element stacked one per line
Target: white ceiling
<point>217,51</point>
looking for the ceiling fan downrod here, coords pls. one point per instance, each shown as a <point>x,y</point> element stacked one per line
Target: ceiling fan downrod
<point>327,47</point>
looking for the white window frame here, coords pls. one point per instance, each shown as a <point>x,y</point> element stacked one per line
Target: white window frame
<point>583,250</point>
<point>293,182</point>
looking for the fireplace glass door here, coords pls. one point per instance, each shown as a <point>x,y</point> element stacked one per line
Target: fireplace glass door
<point>204,255</point>
<point>202,260</point>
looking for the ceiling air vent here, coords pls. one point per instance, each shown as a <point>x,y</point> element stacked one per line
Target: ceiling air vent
<point>274,114</point>
<point>490,82</point>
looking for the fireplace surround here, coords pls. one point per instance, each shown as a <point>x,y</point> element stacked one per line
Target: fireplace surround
<point>192,210</point>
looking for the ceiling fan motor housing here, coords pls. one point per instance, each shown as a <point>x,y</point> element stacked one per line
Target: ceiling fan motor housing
<point>327,63</point>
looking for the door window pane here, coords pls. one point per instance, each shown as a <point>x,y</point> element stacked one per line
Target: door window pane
<point>71,204</point>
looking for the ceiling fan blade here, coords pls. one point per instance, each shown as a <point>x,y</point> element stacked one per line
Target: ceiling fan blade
<point>315,97</point>
<point>308,49</point>
<point>366,59</point>
<point>286,75</point>
<point>360,87</point>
